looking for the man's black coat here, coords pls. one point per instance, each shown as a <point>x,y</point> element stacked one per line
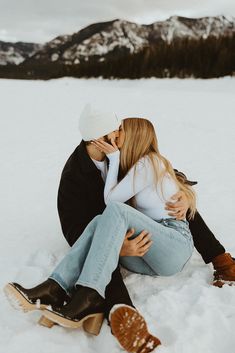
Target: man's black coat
<point>80,196</point>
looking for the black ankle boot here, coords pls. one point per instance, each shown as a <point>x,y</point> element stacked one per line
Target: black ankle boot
<point>47,293</point>
<point>86,308</point>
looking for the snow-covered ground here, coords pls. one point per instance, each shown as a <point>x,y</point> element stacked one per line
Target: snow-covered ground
<point>38,131</point>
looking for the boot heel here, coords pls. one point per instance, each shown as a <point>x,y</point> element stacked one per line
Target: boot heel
<point>44,321</point>
<point>93,324</point>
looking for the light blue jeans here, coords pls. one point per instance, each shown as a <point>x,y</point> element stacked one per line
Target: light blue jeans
<point>95,255</point>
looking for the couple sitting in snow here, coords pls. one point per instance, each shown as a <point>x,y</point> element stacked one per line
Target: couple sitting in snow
<point>120,202</point>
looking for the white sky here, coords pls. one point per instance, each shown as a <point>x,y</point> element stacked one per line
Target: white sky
<point>42,20</point>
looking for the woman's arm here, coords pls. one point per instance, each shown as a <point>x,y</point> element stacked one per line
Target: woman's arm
<point>138,178</point>
<point>112,175</point>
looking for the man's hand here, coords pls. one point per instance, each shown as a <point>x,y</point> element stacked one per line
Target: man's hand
<point>179,208</point>
<point>137,246</point>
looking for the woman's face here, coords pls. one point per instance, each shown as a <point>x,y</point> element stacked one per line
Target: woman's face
<point>121,137</point>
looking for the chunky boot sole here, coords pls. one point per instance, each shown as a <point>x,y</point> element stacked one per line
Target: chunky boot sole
<point>19,300</point>
<point>90,323</point>
<point>44,321</point>
<point>130,329</point>
<point>220,283</point>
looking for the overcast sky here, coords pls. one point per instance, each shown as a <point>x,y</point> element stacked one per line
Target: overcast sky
<point>42,20</point>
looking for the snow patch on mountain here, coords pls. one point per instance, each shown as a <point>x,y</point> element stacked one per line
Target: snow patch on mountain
<point>131,36</point>
<point>16,53</point>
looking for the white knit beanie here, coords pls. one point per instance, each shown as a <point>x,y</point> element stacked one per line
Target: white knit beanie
<point>94,124</point>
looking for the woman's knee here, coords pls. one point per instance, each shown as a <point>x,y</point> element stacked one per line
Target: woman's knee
<point>115,205</point>
<point>93,223</point>
<point>95,219</point>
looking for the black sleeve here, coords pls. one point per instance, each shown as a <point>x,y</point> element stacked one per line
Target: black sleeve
<point>182,177</point>
<point>72,209</point>
<point>204,240</point>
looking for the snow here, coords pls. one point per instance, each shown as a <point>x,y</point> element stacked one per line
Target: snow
<point>194,120</point>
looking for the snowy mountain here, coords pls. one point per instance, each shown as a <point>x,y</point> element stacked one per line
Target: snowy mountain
<point>196,28</point>
<point>113,37</point>
<point>120,37</point>
<point>177,47</point>
<point>16,53</point>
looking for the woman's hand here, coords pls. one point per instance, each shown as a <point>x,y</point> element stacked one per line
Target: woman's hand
<point>179,208</point>
<point>105,147</point>
<point>137,246</point>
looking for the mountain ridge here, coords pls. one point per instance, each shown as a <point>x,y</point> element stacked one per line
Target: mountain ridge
<point>99,39</point>
<point>179,46</point>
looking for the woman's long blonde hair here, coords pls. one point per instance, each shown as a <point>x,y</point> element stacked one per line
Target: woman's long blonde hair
<point>140,141</point>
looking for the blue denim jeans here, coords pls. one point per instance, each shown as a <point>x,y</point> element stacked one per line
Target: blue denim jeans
<point>95,255</point>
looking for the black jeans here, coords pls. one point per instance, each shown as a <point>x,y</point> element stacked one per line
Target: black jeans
<point>204,240</point>
<point>116,292</point>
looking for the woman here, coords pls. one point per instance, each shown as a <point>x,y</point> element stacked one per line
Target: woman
<point>142,177</point>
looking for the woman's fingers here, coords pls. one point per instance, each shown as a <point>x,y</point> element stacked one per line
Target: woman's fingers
<point>105,146</point>
<point>97,145</point>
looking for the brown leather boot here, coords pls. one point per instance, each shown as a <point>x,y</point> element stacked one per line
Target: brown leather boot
<point>224,266</point>
<point>130,329</point>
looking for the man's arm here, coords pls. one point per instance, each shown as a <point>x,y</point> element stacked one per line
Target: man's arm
<point>180,204</point>
<point>72,209</point>
<point>137,246</point>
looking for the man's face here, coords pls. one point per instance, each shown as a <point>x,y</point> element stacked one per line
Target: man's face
<point>113,135</point>
<point>117,135</point>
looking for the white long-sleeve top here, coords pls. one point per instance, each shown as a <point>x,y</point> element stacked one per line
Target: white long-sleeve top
<point>150,197</point>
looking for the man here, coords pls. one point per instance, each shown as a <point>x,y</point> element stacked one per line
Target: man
<point>80,199</point>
